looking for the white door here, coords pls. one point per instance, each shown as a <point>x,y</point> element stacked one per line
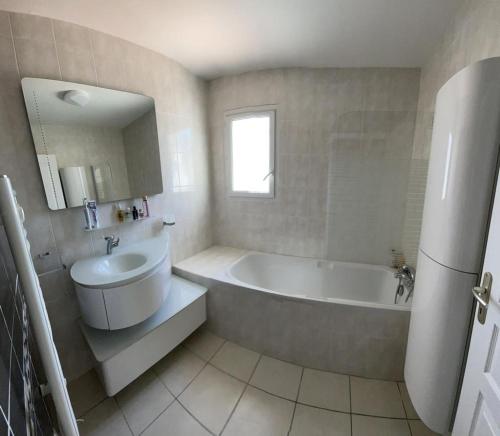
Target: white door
<point>478,411</point>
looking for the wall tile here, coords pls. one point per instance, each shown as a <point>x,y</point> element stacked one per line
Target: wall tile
<point>75,53</point>
<point>35,46</point>
<point>26,26</point>
<point>37,58</point>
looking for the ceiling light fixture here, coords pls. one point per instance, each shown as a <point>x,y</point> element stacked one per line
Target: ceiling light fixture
<point>77,97</point>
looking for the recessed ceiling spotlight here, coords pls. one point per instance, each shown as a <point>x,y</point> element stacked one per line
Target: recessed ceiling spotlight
<point>77,97</point>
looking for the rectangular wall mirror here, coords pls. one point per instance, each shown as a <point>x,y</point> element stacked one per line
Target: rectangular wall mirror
<point>92,143</point>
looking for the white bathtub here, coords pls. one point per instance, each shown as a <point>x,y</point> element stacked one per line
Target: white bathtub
<point>332,316</point>
<point>339,282</point>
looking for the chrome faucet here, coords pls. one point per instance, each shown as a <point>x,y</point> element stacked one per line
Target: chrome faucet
<point>111,243</point>
<point>406,276</point>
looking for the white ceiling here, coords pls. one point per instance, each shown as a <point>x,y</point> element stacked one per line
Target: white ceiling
<point>217,37</point>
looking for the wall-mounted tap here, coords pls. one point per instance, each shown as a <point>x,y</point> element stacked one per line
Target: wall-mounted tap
<point>406,276</point>
<point>111,243</point>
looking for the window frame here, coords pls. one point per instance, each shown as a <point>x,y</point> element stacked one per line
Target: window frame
<point>241,114</point>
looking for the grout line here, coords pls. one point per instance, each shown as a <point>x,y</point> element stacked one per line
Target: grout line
<point>409,427</point>
<point>402,402</point>
<point>14,46</point>
<point>239,399</point>
<point>87,411</point>
<point>192,380</point>
<point>200,356</point>
<point>379,416</point>
<point>93,57</point>
<point>231,375</point>
<point>245,388</point>
<point>55,48</point>
<point>196,419</point>
<point>123,414</point>
<point>296,401</point>
<point>156,418</point>
<point>279,396</point>
<point>299,403</point>
<point>176,398</point>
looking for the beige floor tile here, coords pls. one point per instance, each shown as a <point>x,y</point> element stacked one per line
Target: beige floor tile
<point>175,421</point>
<point>376,397</point>
<point>106,419</point>
<point>259,413</point>
<point>178,369</point>
<point>143,400</point>
<point>418,428</point>
<point>277,377</point>
<point>236,360</point>
<point>371,426</point>
<point>310,421</point>
<point>409,409</point>
<point>211,397</point>
<point>203,343</point>
<point>325,389</point>
<point>86,392</point>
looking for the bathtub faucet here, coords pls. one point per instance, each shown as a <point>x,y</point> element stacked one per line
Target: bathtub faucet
<point>406,276</point>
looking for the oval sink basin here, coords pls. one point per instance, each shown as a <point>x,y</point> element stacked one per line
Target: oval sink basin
<point>121,263</point>
<point>125,265</point>
<point>124,288</point>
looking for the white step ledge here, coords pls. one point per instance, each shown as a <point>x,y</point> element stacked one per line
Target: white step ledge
<point>123,355</point>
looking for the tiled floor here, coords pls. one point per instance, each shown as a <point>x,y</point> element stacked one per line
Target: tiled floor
<point>209,386</point>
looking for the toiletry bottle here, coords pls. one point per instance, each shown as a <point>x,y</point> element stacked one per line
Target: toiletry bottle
<point>119,214</point>
<point>86,211</point>
<point>135,213</point>
<point>92,206</point>
<point>145,206</point>
<point>128,215</point>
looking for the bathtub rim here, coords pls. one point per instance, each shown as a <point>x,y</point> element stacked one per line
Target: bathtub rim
<point>226,274</point>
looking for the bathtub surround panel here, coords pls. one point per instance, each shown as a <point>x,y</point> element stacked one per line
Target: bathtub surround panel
<point>345,339</point>
<point>39,47</point>
<point>343,154</point>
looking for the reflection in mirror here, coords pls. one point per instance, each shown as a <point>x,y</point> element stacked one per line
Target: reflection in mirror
<point>92,143</point>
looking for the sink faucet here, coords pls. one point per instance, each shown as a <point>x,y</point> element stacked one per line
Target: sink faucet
<point>111,243</point>
<point>406,276</point>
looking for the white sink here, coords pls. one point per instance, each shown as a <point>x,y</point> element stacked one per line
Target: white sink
<point>127,264</point>
<point>126,287</point>
<point>121,263</point>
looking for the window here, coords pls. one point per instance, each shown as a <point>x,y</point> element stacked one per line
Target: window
<point>250,148</point>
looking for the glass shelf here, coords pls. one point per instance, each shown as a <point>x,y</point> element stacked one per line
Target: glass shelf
<point>117,223</point>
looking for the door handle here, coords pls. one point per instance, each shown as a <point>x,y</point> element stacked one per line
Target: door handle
<point>482,295</point>
<point>478,292</point>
